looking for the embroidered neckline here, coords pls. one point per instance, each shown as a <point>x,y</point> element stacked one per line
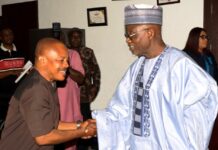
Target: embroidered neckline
<point>141,106</point>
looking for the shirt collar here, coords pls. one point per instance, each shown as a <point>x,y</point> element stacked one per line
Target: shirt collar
<point>8,50</point>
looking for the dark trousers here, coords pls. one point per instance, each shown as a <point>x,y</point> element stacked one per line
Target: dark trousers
<point>84,144</point>
<point>4,103</point>
<point>63,146</point>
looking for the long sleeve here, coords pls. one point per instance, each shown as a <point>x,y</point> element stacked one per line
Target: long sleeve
<point>191,103</point>
<point>114,122</point>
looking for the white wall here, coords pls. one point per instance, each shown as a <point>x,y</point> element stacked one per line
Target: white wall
<point>108,42</point>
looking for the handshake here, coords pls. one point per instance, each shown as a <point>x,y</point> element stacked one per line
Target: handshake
<point>88,128</point>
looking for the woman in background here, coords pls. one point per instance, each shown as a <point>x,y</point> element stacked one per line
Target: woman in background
<point>196,48</point>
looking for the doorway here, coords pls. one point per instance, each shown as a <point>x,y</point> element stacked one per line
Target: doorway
<point>211,24</point>
<point>21,17</point>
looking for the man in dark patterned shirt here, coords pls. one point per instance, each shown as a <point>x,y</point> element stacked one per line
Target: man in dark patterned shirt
<point>90,88</point>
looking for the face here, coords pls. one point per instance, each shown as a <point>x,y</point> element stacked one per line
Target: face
<point>75,40</point>
<point>56,63</point>
<point>137,39</point>
<point>203,40</point>
<point>7,36</point>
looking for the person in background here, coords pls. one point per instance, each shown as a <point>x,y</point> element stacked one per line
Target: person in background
<point>91,85</point>
<point>33,121</point>
<point>69,94</point>
<point>196,48</point>
<point>7,78</point>
<point>159,103</point>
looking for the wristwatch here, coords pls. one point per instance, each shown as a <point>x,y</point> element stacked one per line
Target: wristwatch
<point>78,124</point>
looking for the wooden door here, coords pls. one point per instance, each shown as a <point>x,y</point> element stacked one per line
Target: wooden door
<point>21,17</point>
<point>211,25</point>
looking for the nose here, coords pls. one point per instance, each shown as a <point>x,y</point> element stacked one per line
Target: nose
<point>66,64</point>
<point>128,40</point>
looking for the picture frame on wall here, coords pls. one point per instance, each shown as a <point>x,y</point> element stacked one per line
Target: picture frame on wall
<point>97,16</point>
<point>165,2</point>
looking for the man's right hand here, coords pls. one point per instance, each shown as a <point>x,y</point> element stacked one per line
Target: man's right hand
<point>90,128</point>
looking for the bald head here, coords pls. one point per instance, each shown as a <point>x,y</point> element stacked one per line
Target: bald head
<point>45,45</point>
<point>51,59</point>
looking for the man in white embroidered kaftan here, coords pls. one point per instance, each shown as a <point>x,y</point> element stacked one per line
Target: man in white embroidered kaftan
<point>165,101</point>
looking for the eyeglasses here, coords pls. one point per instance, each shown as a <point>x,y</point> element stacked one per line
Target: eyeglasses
<point>133,35</point>
<point>204,37</point>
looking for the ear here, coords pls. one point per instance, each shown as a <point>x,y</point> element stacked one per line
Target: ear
<point>151,33</point>
<point>42,59</point>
